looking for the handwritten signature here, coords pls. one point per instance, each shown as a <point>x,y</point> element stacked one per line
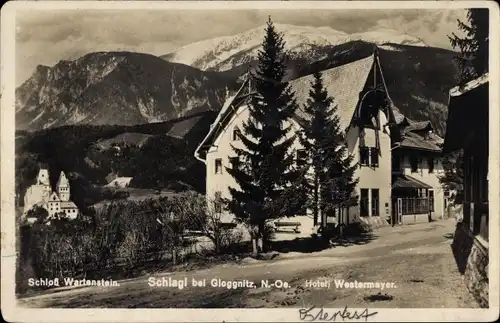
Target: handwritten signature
<point>320,314</point>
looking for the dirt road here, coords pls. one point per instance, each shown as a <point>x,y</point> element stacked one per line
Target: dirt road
<point>414,263</point>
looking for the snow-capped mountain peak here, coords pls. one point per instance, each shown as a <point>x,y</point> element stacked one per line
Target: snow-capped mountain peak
<point>219,53</point>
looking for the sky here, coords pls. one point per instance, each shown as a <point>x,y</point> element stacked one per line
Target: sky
<point>44,38</point>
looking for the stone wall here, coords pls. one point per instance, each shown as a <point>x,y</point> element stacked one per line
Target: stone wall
<point>472,259</point>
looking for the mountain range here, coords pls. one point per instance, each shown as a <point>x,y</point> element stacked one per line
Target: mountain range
<point>225,53</point>
<point>116,88</point>
<point>126,88</point>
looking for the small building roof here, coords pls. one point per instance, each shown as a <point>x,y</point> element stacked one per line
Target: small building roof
<point>68,205</point>
<point>182,128</point>
<point>406,181</point>
<point>413,134</point>
<point>54,197</point>
<point>471,85</point>
<point>120,182</point>
<point>413,140</point>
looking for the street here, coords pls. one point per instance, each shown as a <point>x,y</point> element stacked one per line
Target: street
<point>413,264</point>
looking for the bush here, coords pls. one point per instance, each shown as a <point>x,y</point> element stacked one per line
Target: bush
<point>357,229</point>
<point>121,236</point>
<point>230,240</point>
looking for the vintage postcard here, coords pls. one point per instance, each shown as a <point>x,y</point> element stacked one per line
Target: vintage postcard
<point>246,161</point>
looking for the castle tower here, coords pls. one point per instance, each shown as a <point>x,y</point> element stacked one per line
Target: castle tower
<point>43,177</point>
<point>62,187</point>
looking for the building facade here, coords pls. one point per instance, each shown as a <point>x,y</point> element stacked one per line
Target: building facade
<point>55,202</point>
<point>417,194</point>
<point>468,130</point>
<point>366,116</point>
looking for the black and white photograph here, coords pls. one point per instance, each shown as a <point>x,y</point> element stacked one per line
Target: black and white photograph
<point>314,161</point>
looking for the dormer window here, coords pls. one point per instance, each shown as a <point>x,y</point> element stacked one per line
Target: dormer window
<point>236,134</point>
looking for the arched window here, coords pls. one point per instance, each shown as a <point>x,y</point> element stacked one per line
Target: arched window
<point>236,133</point>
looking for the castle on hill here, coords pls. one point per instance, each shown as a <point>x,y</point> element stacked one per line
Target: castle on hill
<point>41,194</point>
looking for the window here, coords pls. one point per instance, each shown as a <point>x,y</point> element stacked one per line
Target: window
<point>363,202</point>
<point>375,202</point>
<point>218,166</point>
<point>301,157</point>
<point>396,163</point>
<point>368,156</point>
<point>430,163</point>
<point>236,133</point>
<point>218,202</point>
<point>431,200</point>
<point>364,156</point>
<point>374,157</point>
<point>234,162</point>
<point>414,164</point>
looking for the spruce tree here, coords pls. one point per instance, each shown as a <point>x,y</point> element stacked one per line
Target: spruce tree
<point>331,180</point>
<point>474,46</point>
<point>472,63</point>
<point>266,173</point>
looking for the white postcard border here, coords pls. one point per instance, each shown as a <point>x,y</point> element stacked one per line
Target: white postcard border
<point>12,312</point>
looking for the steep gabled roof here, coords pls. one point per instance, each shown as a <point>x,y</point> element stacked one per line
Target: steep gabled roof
<point>344,83</point>
<point>225,114</point>
<point>54,197</point>
<point>63,180</point>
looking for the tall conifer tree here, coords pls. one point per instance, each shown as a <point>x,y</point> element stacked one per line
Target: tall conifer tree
<point>331,182</point>
<point>474,46</point>
<point>267,167</point>
<point>472,62</point>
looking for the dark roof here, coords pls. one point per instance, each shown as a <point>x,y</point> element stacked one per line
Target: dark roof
<point>467,111</point>
<point>413,134</point>
<point>182,128</point>
<point>412,140</point>
<point>405,181</point>
<point>344,83</point>
<point>418,126</point>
